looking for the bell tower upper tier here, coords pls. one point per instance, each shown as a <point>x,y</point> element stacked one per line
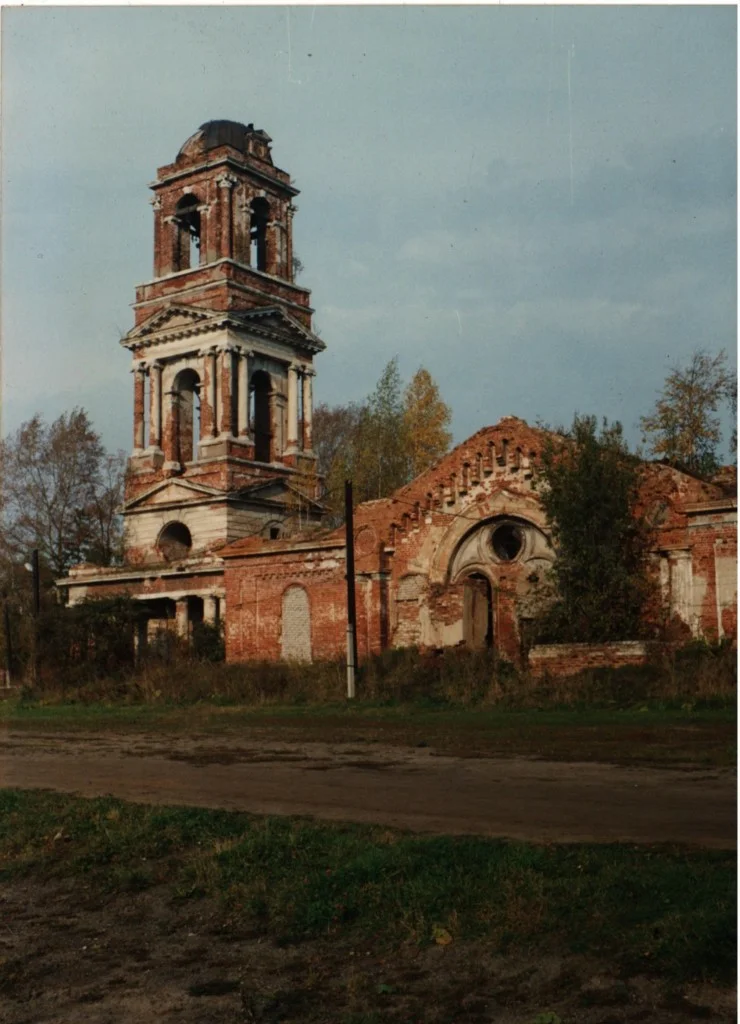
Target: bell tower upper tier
<point>223,237</point>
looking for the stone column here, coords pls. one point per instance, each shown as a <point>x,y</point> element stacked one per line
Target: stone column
<point>308,376</point>
<point>181,616</point>
<point>139,412</point>
<point>291,446</point>
<point>155,405</point>
<point>226,426</point>
<point>226,184</point>
<point>243,395</point>
<point>210,609</point>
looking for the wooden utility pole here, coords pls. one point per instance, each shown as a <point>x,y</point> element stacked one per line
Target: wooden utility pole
<point>351,610</point>
<point>36,612</point>
<point>8,641</point>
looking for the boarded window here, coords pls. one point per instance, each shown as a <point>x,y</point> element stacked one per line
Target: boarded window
<point>296,638</point>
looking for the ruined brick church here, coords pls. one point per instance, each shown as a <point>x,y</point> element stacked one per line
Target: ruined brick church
<point>223,506</point>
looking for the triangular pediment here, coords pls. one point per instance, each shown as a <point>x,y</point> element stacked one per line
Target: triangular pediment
<point>173,317</point>
<point>173,492</point>
<point>274,322</point>
<point>280,490</point>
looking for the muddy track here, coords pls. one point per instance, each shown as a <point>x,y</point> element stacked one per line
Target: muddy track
<point>518,798</point>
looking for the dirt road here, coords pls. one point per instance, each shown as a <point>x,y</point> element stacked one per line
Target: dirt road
<point>518,798</point>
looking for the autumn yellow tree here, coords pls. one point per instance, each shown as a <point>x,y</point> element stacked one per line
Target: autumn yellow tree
<point>382,443</point>
<point>426,420</point>
<point>683,427</point>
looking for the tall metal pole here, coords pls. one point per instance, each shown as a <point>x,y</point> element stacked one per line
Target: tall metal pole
<point>351,610</point>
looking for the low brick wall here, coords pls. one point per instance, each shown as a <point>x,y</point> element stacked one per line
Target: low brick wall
<point>568,659</point>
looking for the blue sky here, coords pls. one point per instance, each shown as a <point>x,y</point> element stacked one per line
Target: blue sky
<point>538,204</point>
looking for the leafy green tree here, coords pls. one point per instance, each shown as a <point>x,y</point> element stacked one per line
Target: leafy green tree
<point>380,463</point>
<point>589,486</point>
<point>426,421</point>
<point>684,427</point>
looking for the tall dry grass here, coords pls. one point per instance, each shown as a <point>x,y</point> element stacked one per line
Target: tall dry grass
<point>697,675</point>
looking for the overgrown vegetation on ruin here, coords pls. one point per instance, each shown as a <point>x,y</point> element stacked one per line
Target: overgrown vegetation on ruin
<point>599,584</point>
<point>658,911</point>
<point>87,667</point>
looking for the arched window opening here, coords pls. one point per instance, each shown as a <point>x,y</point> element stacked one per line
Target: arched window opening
<point>175,542</point>
<point>188,233</point>
<point>186,389</point>
<point>477,612</point>
<point>261,389</point>
<point>260,210</point>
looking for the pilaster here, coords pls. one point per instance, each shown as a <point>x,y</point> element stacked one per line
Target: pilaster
<point>139,373</point>
<point>155,407</point>
<point>291,447</point>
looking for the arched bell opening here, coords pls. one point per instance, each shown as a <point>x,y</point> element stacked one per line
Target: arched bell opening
<point>186,407</point>
<point>260,215</point>
<point>187,227</point>
<point>477,612</point>
<point>262,392</point>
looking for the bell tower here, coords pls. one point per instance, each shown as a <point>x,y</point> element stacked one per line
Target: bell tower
<point>222,349</point>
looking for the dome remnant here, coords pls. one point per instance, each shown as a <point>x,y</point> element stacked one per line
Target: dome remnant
<point>213,134</point>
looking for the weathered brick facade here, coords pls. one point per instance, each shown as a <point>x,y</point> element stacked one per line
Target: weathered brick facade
<point>222,353</point>
<point>457,556</point>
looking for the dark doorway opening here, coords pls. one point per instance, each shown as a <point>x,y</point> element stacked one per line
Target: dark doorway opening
<point>478,612</point>
<point>262,388</point>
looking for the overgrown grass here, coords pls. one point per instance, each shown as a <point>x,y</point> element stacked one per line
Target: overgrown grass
<point>698,676</point>
<point>659,910</point>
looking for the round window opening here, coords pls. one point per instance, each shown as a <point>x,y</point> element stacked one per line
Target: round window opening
<point>507,541</point>
<point>175,541</point>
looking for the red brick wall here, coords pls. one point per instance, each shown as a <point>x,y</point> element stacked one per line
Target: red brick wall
<point>568,659</point>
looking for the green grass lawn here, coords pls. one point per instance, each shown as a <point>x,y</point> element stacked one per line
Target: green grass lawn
<point>657,910</point>
<point>644,734</point>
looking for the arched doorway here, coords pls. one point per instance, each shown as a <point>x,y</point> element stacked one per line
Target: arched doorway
<point>477,612</point>
<point>262,389</point>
